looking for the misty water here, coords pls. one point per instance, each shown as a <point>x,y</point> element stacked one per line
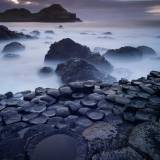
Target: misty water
<point>22,73</point>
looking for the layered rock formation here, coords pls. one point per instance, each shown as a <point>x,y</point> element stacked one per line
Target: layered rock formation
<point>94,120</point>
<point>53,13</point>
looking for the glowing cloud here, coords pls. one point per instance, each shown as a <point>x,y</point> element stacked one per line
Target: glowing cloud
<point>154,10</point>
<point>15,1</point>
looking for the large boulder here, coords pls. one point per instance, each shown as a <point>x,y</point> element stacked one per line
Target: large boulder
<point>6,34</point>
<point>147,51</point>
<point>130,53</point>
<point>67,48</point>
<point>13,47</point>
<point>77,69</point>
<point>124,53</point>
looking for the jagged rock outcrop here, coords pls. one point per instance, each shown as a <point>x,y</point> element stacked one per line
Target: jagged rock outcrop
<point>13,47</point>
<point>67,48</point>
<point>76,69</point>
<point>83,121</point>
<point>53,13</point>
<point>6,34</point>
<point>130,53</point>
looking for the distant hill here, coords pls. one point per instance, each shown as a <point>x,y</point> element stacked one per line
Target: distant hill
<point>53,13</point>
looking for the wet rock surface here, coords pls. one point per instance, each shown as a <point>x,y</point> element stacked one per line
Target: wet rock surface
<point>83,121</point>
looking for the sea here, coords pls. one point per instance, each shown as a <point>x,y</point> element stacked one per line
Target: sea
<point>22,73</point>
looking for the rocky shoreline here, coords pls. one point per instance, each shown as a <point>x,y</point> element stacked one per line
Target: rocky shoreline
<point>96,120</point>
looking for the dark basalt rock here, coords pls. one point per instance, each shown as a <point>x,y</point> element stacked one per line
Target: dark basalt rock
<point>78,70</point>
<point>65,91</point>
<point>49,113</point>
<point>125,153</point>
<point>35,33</point>
<point>83,122</point>
<point>130,53</point>
<point>65,145</point>
<point>11,117</point>
<point>100,131</point>
<point>53,92</point>
<point>147,51</point>
<point>17,151</point>
<point>145,138</point>
<point>6,34</point>
<point>107,33</point>
<point>86,102</point>
<point>39,120</point>
<point>13,47</point>
<point>49,32</point>
<point>124,53</point>
<point>53,13</point>
<point>114,121</point>
<point>95,115</point>
<point>67,48</point>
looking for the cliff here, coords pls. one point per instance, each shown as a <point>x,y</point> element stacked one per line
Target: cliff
<point>53,13</point>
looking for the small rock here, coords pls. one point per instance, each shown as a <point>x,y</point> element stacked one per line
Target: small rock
<point>39,120</point>
<point>65,91</point>
<point>83,122</point>
<point>53,92</point>
<point>95,115</point>
<point>89,103</point>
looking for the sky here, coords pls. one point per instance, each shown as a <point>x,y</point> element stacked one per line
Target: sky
<point>145,12</point>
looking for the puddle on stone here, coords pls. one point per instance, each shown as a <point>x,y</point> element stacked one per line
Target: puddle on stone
<point>56,147</point>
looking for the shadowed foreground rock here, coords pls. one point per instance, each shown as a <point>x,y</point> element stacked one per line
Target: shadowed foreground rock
<point>83,121</point>
<point>6,34</point>
<point>77,69</point>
